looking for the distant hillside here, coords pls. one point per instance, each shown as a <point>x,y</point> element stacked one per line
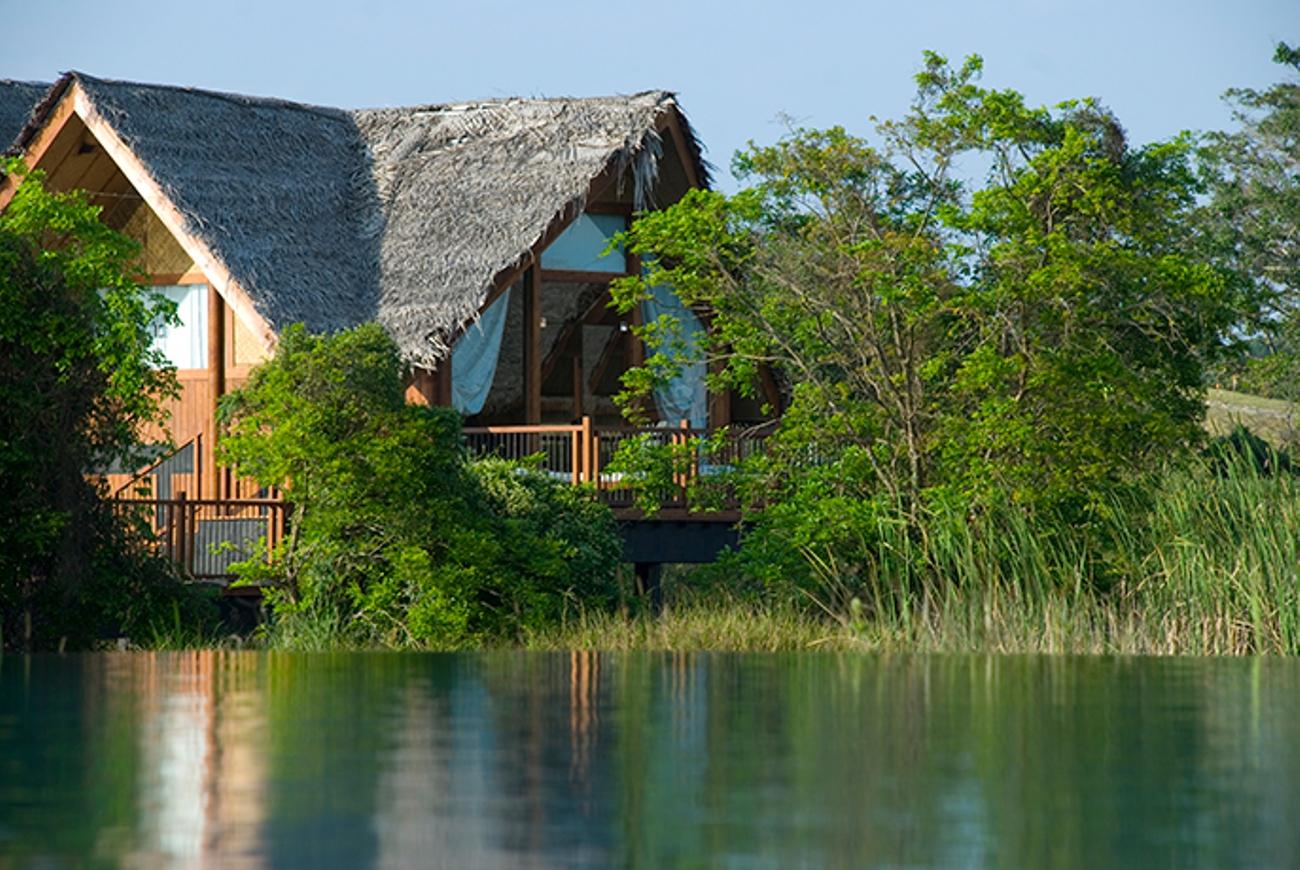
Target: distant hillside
<point>1271,419</point>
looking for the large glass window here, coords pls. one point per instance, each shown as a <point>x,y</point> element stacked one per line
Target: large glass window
<point>185,345</point>
<point>580,246</point>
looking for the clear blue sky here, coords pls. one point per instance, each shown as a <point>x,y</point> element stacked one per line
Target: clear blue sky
<point>1160,64</point>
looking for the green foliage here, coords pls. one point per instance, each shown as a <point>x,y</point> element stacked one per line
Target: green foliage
<point>1198,559</point>
<point>1032,341</point>
<point>1251,222</point>
<point>78,380</point>
<point>395,539</point>
<point>560,544</point>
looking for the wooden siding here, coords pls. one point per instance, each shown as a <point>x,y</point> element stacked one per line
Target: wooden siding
<point>190,413</point>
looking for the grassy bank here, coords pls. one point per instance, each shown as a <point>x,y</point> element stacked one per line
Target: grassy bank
<point>1088,625</point>
<point>1271,419</point>
<point>1204,561</point>
<point>1200,560</point>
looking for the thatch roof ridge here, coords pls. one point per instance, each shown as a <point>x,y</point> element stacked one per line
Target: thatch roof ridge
<point>230,96</point>
<point>485,102</point>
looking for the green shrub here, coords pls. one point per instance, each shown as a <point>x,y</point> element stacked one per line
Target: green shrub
<point>395,539</point>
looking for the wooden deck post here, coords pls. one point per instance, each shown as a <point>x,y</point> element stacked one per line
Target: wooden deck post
<point>199,466</point>
<point>588,448</point>
<point>575,455</point>
<point>217,382</point>
<point>684,439</point>
<point>180,529</point>
<point>532,346</point>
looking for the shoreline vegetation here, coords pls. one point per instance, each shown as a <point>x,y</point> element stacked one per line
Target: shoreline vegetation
<point>991,427</point>
<point>1206,567</point>
<point>1203,564</point>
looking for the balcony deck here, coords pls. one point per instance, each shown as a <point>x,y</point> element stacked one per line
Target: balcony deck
<point>205,535</point>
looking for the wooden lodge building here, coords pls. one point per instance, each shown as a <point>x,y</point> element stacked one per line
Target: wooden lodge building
<point>475,233</point>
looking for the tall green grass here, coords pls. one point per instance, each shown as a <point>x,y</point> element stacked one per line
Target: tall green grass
<point>1202,559</point>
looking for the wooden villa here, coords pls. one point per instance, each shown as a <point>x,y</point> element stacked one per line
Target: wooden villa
<point>475,233</point>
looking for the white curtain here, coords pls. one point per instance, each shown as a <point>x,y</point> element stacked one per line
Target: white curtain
<point>685,397</point>
<point>474,358</point>
<point>186,345</point>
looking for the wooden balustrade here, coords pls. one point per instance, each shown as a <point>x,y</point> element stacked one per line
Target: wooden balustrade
<point>581,453</point>
<point>205,536</point>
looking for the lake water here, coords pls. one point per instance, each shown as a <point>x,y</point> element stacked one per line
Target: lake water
<point>539,760</point>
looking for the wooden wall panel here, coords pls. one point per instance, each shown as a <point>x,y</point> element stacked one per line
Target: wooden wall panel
<point>191,412</point>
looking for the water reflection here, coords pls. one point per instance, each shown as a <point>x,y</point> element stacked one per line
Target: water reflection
<point>582,759</point>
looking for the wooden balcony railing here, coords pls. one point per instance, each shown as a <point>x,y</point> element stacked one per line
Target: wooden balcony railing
<point>582,453</point>
<point>204,537</point>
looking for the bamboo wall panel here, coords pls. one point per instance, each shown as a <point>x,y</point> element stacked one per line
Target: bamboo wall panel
<point>247,350</point>
<point>161,254</point>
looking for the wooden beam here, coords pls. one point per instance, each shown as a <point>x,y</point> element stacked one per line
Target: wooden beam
<point>170,216</point>
<point>578,387</point>
<point>623,208</point>
<point>193,276</point>
<point>566,334</point>
<point>606,358</point>
<point>64,110</point>
<point>602,314</point>
<point>771,392</point>
<point>576,276</point>
<point>444,374</point>
<point>509,275</point>
<point>217,379</point>
<point>671,122</point>
<point>532,346</point>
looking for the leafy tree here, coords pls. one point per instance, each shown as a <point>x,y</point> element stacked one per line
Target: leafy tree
<point>1029,341</point>
<point>1252,222</point>
<point>78,380</point>
<point>395,538</point>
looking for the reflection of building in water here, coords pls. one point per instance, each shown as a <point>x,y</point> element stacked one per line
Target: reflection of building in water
<point>410,826</point>
<point>584,697</point>
<point>204,773</point>
<point>437,804</point>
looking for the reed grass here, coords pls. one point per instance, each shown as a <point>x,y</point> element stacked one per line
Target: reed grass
<point>718,622</point>
<point>1202,560</point>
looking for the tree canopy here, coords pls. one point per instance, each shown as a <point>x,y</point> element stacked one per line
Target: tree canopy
<point>1029,339</point>
<point>1251,222</point>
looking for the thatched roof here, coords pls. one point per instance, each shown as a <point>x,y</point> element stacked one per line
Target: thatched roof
<point>334,217</point>
<point>17,102</point>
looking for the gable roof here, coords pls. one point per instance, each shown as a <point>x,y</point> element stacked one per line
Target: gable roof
<point>405,216</point>
<point>17,103</point>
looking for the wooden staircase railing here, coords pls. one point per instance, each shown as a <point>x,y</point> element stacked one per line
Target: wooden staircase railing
<point>190,482</point>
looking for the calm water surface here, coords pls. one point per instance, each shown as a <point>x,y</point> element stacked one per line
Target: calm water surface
<point>532,760</point>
